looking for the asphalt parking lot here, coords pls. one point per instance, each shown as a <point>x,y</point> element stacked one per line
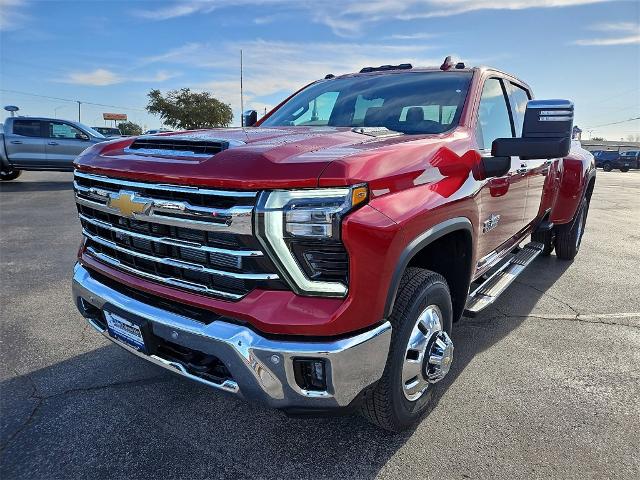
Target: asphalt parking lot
<point>545,384</point>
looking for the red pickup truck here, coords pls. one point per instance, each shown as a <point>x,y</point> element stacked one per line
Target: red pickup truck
<point>317,260</point>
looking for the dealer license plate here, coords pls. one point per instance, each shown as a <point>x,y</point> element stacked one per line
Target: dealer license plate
<point>125,331</point>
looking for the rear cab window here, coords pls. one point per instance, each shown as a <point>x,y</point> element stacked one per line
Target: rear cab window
<point>27,128</point>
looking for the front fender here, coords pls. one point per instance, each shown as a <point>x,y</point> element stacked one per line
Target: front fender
<point>575,173</point>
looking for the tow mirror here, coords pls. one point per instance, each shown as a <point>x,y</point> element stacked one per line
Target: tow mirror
<point>546,133</point>
<point>249,118</point>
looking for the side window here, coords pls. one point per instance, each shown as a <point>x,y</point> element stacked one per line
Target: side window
<point>519,98</point>
<point>64,131</point>
<point>319,110</point>
<point>493,114</point>
<point>27,128</point>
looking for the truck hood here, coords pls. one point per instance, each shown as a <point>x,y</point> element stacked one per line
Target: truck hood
<point>255,158</point>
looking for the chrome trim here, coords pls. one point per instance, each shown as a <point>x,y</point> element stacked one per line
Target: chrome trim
<point>171,241</point>
<point>555,119</point>
<point>239,222</point>
<point>174,282</point>
<point>353,363</point>
<point>550,104</point>
<point>194,267</point>
<point>166,187</point>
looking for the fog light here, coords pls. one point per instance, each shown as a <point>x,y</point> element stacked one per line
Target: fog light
<point>310,374</point>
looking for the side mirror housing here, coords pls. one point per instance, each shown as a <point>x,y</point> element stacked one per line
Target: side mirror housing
<point>249,118</point>
<point>82,136</point>
<point>490,167</point>
<point>546,133</point>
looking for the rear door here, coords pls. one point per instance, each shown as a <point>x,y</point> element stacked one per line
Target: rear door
<point>502,198</point>
<point>25,144</point>
<point>64,143</point>
<point>535,171</point>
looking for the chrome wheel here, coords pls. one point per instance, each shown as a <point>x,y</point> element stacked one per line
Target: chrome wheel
<point>428,355</point>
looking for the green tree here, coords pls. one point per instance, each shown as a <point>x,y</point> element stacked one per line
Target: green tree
<point>130,128</point>
<point>186,110</point>
<point>598,139</point>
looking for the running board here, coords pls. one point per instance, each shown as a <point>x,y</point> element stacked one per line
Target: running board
<point>489,291</point>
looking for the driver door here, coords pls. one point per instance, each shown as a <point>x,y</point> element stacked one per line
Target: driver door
<point>63,144</point>
<point>502,199</point>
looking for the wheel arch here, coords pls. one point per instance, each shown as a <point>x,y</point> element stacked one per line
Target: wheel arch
<point>453,235</point>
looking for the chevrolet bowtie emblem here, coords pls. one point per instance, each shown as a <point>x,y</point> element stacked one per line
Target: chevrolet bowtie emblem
<point>128,204</point>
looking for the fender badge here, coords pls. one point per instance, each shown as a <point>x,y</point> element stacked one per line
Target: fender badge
<point>490,223</point>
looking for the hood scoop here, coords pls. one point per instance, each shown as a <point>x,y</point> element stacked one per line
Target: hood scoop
<point>180,146</point>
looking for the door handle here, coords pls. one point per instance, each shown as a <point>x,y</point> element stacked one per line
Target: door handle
<point>16,142</point>
<point>53,143</point>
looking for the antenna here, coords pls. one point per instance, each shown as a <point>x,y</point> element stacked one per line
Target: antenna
<point>241,94</point>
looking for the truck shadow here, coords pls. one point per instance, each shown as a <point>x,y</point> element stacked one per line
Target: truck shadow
<point>108,401</point>
<point>44,186</point>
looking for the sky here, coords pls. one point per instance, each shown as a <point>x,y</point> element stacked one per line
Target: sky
<point>114,52</point>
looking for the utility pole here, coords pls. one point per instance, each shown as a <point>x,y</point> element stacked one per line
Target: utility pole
<point>241,94</point>
<point>79,103</point>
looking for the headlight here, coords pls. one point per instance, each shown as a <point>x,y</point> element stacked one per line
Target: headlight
<point>300,229</point>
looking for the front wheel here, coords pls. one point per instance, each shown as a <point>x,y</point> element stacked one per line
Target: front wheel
<point>420,354</point>
<point>607,167</point>
<point>569,236</point>
<point>7,175</point>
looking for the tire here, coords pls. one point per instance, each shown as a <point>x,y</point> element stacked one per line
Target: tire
<point>390,403</point>
<point>547,239</point>
<point>8,175</point>
<point>606,166</point>
<point>569,236</point>
<point>624,169</point>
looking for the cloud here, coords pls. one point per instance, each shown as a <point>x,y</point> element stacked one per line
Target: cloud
<point>603,42</point>
<point>411,36</point>
<point>98,77</point>
<point>352,16</point>
<point>12,16</point>
<point>101,77</point>
<point>628,34</point>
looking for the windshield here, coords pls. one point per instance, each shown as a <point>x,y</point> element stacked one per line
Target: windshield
<point>412,103</point>
<point>90,130</point>
<point>107,130</point>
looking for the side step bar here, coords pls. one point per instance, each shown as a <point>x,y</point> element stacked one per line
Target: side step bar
<point>488,292</point>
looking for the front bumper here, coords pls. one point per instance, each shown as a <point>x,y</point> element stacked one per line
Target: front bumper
<point>260,368</point>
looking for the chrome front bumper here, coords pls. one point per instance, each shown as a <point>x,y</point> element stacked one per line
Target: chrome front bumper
<point>261,368</point>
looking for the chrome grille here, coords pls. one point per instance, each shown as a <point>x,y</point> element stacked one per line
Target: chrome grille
<point>189,238</point>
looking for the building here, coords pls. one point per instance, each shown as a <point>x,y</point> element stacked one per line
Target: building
<point>610,145</point>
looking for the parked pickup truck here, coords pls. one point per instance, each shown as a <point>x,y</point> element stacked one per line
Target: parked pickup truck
<point>29,143</point>
<point>318,259</point>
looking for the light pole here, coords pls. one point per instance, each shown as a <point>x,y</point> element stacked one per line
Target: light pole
<point>55,110</point>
